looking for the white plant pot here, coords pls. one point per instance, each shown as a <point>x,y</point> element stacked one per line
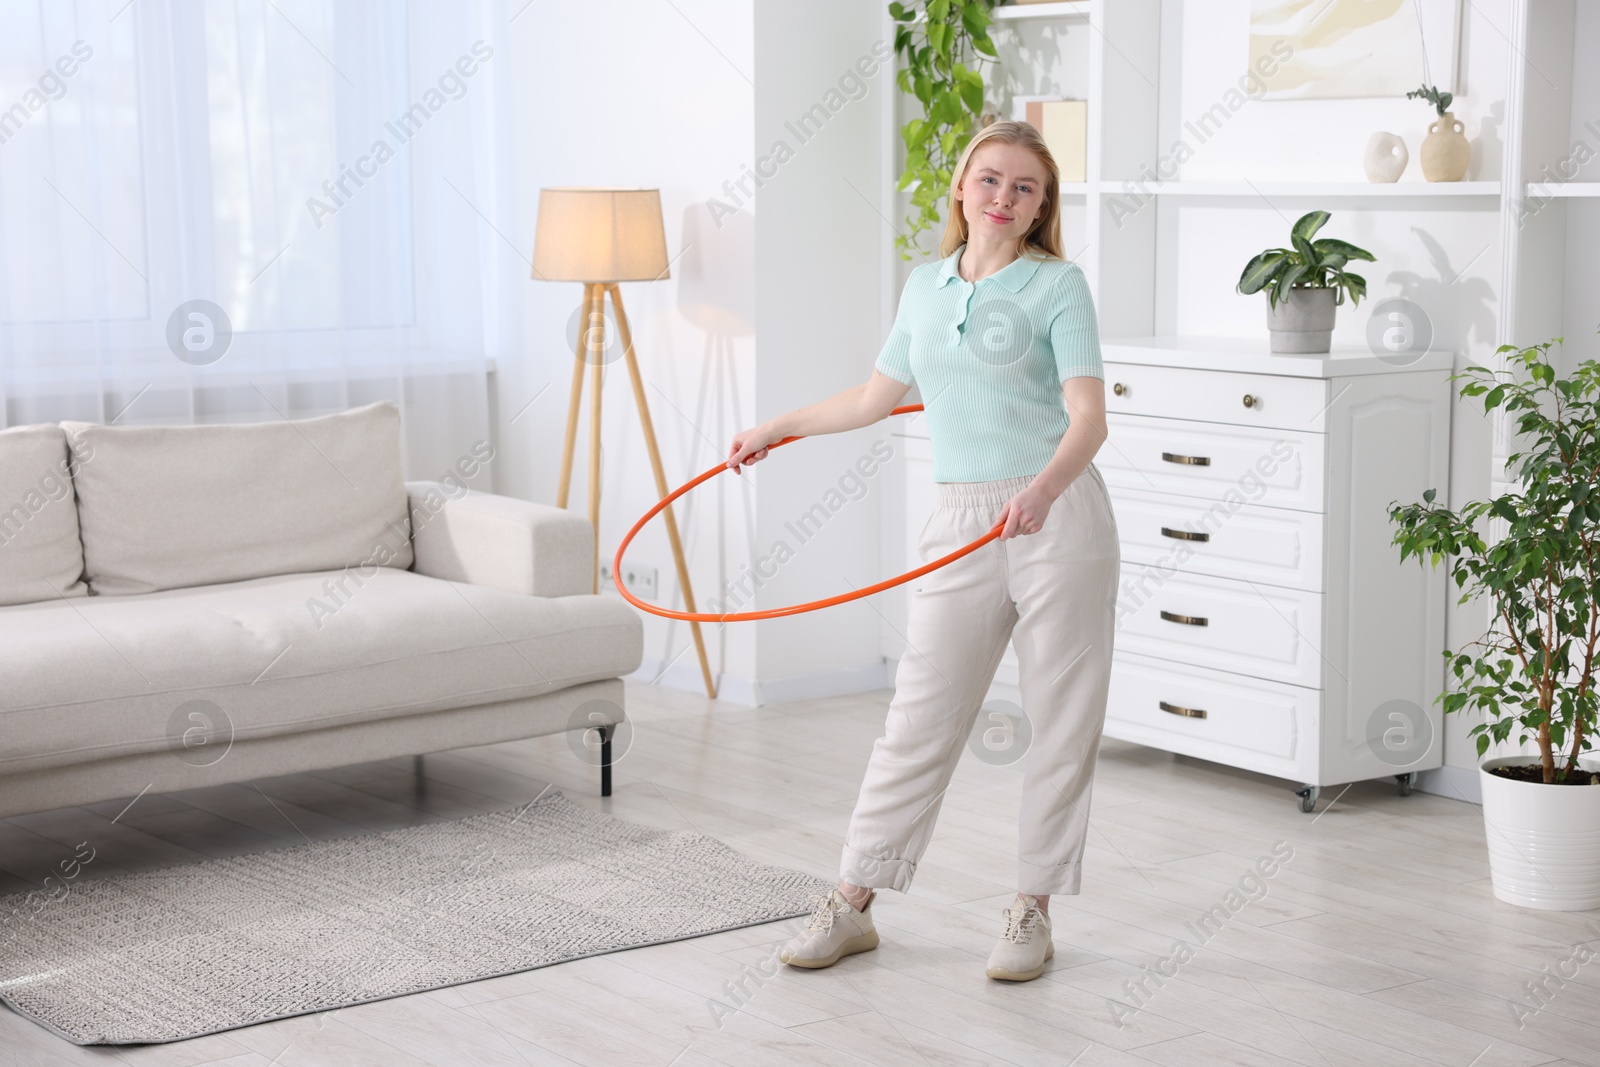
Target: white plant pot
<point>1544,840</point>
<point>1302,322</point>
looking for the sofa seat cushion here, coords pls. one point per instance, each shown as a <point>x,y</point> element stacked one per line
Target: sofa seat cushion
<point>101,677</point>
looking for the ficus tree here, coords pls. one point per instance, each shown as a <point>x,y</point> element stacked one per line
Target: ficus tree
<point>1534,671</point>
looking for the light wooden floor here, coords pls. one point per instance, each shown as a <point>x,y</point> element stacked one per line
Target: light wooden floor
<point>1379,943</point>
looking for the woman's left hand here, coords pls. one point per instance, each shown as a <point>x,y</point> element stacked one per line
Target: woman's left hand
<point>1025,513</point>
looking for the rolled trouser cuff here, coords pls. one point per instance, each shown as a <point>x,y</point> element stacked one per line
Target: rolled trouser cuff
<point>873,872</point>
<point>1062,880</point>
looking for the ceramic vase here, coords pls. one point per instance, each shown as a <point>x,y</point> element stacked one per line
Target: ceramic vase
<point>1544,840</point>
<point>1386,157</point>
<point>1445,150</point>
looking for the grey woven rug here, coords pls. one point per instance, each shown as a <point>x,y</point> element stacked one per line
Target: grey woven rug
<point>190,950</point>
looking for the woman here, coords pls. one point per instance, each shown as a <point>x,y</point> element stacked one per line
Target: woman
<point>1002,338</point>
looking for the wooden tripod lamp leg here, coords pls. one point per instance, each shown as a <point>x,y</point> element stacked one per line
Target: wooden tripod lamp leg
<point>589,294</point>
<point>625,335</point>
<point>597,343</point>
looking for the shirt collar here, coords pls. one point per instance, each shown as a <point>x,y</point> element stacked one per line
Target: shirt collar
<point>1013,275</point>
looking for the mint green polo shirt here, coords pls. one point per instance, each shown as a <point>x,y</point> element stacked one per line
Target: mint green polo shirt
<point>989,358</point>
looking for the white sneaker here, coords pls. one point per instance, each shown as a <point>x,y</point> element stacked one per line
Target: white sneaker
<point>835,929</point>
<point>1025,946</point>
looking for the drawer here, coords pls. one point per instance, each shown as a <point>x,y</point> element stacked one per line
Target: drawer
<point>1207,713</point>
<point>1264,631</point>
<point>1210,461</point>
<point>1275,401</point>
<point>1269,546</point>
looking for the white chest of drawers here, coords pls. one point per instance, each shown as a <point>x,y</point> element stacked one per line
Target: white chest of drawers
<point>1264,619</point>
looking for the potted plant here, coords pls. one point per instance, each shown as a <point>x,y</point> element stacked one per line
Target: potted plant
<point>1534,672</point>
<point>1445,151</point>
<point>1304,284</point>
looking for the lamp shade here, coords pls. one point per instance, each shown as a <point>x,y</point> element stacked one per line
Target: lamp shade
<point>599,235</point>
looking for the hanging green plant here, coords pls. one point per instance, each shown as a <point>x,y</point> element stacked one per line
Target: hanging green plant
<point>940,44</point>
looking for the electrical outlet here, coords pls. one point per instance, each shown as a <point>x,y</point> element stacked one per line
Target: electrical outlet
<point>605,575</point>
<point>640,580</point>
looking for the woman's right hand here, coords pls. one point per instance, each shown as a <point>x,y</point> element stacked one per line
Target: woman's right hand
<point>750,446</point>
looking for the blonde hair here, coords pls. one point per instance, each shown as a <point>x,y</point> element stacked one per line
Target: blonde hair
<point>1044,238</point>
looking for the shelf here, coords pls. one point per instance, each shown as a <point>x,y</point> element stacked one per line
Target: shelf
<point>1563,189</point>
<point>1341,189</point>
<point>1063,9</point>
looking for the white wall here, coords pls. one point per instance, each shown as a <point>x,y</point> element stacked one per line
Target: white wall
<point>689,97</point>
<point>636,93</point>
<point>818,266</point>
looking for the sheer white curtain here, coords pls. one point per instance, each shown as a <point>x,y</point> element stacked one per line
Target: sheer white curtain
<point>254,209</point>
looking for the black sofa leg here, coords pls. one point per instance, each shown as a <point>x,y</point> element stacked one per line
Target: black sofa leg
<point>605,759</point>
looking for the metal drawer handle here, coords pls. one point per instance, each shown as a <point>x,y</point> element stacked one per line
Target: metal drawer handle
<point>1120,389</point>
<point>1251,401</point>
<point>1192,461</point>
<point>1188,713</point>
<point>1184,535</point>
<point>1187,620</point>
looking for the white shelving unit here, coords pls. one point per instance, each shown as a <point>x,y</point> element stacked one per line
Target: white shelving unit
<point>1063,9</point>
<point>1328,190</point>
<point>1543,258</point>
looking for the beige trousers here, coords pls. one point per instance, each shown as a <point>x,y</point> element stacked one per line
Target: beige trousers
<point>1054,594</point>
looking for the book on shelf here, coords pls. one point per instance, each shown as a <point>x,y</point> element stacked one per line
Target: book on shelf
<point>1064,125</point>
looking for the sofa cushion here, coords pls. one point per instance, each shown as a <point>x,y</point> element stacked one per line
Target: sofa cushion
<point>41,557</point>
<point>109,676</point>
<point>164,507</point>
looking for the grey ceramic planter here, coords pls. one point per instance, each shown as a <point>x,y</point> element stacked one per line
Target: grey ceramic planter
<point>1302,323</point>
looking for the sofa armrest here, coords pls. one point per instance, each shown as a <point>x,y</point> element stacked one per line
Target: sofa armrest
<point>499,542</point>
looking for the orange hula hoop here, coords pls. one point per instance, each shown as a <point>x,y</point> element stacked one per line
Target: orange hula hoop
<point>773,613</point>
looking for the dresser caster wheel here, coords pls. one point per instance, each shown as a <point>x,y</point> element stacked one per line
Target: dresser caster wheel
<point>1406,780</point>
<point>1308,797</point>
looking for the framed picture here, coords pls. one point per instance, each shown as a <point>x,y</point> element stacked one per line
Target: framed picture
<point>1320,49</point>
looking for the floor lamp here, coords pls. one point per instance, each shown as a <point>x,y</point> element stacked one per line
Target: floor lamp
<point>601,236</point>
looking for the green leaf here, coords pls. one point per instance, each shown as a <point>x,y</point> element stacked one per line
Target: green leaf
<point>1286,280</point>
<point>972,94</point>
<point>1344,248</point>
<point>1304,253</point>
<point>1307,226</point>
<point>1355,283</point>
<point>1429,494</point>
<point>1261,270</point>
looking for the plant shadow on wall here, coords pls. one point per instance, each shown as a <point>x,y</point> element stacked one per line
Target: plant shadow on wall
<point>1453,302</point>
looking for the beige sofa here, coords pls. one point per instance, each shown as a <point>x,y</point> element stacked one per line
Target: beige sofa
<point>188,606</point>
